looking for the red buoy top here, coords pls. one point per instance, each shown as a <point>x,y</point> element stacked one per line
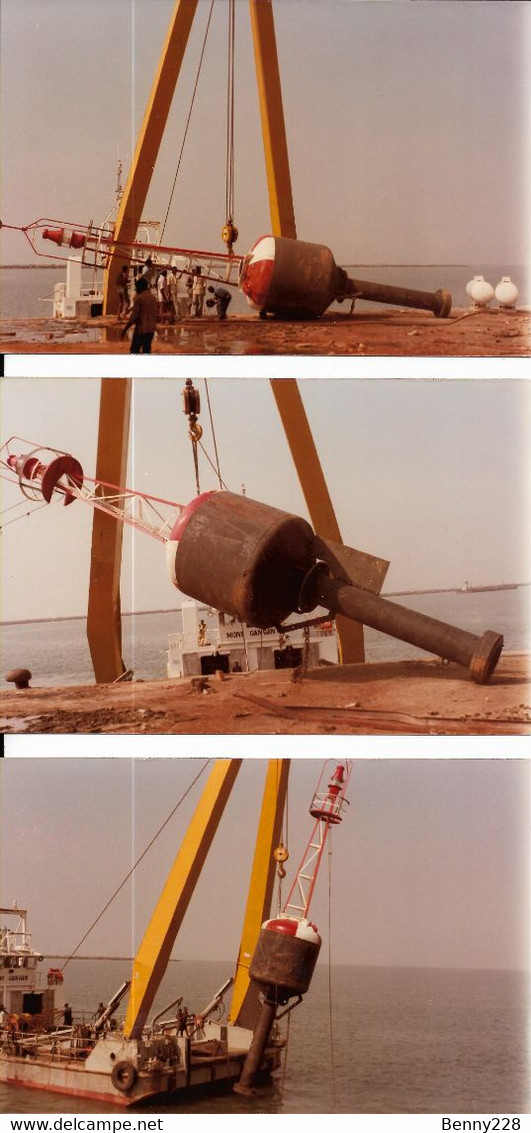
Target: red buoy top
<point>293,926</point>
<point>180,523</point>
<point>286,925</point>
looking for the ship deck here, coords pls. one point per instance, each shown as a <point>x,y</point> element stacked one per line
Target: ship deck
<point>379,332</point>
<point>384,698</point>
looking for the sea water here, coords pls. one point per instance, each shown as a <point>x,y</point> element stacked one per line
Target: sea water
<point>57,653</point>
<point>28,292</point>
<point>364,1040</point>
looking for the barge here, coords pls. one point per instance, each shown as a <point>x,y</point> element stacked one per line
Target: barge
<point>144,1058</point>
<point>92,1057</point>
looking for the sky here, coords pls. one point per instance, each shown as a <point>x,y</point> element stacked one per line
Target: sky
<point>430,474</point>
<point>430,867</point>
<point>407,123</point>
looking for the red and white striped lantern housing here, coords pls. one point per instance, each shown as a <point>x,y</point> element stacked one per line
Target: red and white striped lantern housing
<point>31,470</point>
<point>285,955</point>
<point>329,804</point>
<point>62,236</point>
<point>291,278</point>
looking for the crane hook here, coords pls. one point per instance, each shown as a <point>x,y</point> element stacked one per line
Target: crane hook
<point>281,855</point>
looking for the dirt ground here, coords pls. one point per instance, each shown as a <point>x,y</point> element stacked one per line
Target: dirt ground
<point>483,333</point>
<point>400,698</point>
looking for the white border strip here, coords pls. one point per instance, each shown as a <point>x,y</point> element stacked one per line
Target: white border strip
<point>264,746</point>
<point>267,366</point>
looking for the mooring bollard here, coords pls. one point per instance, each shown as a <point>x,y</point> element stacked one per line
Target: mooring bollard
<point>19,677</point>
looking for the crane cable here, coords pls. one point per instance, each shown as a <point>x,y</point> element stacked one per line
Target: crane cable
<point>284,843</point>
<point>330,1018</point>
<point>192,408</point>
<point>213,431</point>
<point>229,167</point>
<point>137,863</point>
<point>194,92</point>
<point>16,518</point>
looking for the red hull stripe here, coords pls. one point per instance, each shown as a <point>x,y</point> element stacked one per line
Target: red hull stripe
<point>113,1099</point>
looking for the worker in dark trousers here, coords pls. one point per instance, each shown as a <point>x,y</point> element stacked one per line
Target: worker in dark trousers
<point>143,317</point>
<point>221,300</point>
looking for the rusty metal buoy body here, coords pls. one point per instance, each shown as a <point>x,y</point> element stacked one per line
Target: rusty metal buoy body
<point>260,565</point>
<point>299,280</point>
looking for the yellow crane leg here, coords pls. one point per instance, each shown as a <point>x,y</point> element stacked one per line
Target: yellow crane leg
<point>306,460</point>
<point>104,627</point>
<point>286,392</point>
<point>272,116</point>
<point>152,957</point>
<point>245,1006</point>
<point>150,137</point>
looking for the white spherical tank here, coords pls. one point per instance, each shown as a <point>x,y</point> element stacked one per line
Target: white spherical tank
<point>470,285</point>
<point>506,292</point>
<point>480,291</point>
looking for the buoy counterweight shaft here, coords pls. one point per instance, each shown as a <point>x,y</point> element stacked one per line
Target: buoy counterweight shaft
<point>478,654</point>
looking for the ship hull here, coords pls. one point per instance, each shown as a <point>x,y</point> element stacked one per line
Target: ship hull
<point>211,1075</point>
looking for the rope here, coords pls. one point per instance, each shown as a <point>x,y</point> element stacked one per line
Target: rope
<point>229,167</point>
<point>137,863</point>
<point>211,418</point>
<point>222,483</point>
<point>330,1026</point>
<point>188,118</point>
<point>17,517</point>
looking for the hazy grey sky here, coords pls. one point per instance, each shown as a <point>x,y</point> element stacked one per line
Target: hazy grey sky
<point>407,123</point>
<point>433,475</point>
<point>429,868</point>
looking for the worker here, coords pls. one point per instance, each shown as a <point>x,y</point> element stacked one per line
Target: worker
<point>198,293</point>
<point>124,298</point>
<point>201,634</point>
<point>143,317</point>
<point>148,271</point>
<point>221,300</point>
<point>67,1015</point>
<point>163,296</point>
<point>173,289</point>
<point>182,1020</point>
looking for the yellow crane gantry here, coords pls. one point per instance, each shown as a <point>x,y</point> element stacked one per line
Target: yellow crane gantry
<point>155,949</point>
<point>104,624</point>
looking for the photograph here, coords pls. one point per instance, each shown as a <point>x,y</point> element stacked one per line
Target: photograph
<point>240,937</point>
<point>298,177</point>
<point>265,566</point>
<point>239,556</point>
